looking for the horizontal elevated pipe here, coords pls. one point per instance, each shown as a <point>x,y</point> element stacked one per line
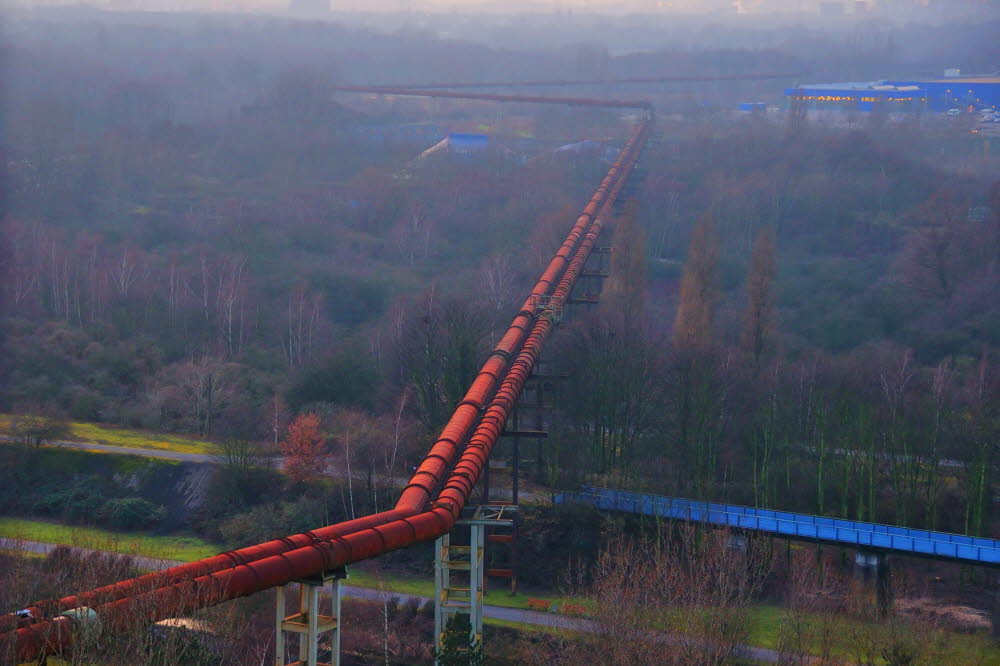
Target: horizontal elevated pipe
<point>693,78</point>
<point>490,97</point>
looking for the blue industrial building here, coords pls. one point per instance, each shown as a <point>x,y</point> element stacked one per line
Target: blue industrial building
<point>961,92</point>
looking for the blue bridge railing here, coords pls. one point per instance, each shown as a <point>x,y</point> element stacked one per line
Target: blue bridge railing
<point>802,526</point>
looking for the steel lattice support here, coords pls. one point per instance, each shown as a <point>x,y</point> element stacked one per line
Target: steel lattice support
<point>452,594</point>
<point>309,622</point>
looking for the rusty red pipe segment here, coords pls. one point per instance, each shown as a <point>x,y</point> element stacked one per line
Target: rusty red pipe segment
<point>52,637</point>
<point>274,571</point>
<point>490,426</point>
<point>479,392</point>
<point>530,305</point>
<point>457,427</point>
<point>455,496</point>
<point>202,567</point>
<point>478,454</point>
<point>442,452</point>
<point>526,99</point>
<point>463,478</point>
<point>482,386</point>
<point>523,327</point>
<point>604,81</point>
<point>464,474</point>
<point>432,469</point>
<point>417,490</point>
<point>511,341</point>
<point>429,473</point>
<point>459,487</point>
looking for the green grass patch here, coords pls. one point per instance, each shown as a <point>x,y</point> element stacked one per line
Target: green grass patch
<point>425,588</point>
<point>529,628</point>
<point>95,433</point>
<point>765,625</point>
<point>766,621</point>
<point>139,439</point>
<point>167,547</point>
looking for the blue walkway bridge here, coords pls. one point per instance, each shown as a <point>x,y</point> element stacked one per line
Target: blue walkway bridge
<point>797,526</point>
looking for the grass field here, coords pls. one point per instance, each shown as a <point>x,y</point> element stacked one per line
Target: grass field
<point>191,548</point>
<point>171,547</point>
<point>949,647</point>
<point>133,439</point>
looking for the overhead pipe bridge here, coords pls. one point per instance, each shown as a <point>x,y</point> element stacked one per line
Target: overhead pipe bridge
<point>429,505</point>
<point>545,83</point>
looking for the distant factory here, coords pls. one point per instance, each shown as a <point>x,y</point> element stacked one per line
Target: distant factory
<point>953,91</point>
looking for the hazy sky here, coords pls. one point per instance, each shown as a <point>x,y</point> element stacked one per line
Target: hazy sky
<point>942,9</point>
<point>495,5</point>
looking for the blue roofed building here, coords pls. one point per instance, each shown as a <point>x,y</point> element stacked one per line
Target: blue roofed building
<point>861,96</point>
<point>466,144</point>
<point>939,94</point>
<point>979,92</point>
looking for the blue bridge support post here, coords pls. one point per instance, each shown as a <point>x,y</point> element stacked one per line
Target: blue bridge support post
<point>995,620</point>
<point>873,569</point>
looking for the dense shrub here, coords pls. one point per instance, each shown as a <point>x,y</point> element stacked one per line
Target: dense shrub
<point>268,521</point>
<point>75,501</point>
<point>347,378</point>
<point>131,513</point>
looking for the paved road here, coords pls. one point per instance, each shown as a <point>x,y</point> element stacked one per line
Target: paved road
<point>535,618</point>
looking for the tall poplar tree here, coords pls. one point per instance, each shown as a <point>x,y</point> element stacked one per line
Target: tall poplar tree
<point>699,289</point>
<point>698,410</point>
<point>759,319</point>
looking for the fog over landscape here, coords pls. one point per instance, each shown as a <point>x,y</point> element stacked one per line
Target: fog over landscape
<point>935,9</point>
<point>587,332</point>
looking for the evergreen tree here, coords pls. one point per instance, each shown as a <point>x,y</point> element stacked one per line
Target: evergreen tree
<point>456,647</point>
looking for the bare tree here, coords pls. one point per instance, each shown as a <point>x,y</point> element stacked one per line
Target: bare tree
<point>809,630</point>
<point>231,297</point>
<point>238,454</point>
<point>677,601</point>
<point>303,321</point>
